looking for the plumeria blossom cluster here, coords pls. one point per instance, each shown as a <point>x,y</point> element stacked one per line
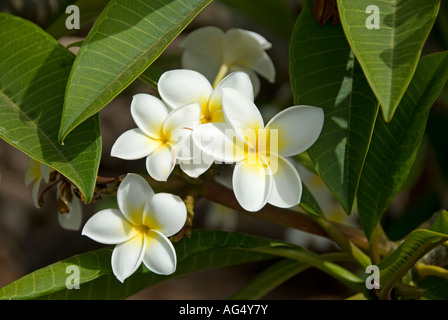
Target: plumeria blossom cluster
<point>205,114</point>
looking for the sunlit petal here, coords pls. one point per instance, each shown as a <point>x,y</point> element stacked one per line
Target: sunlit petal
<point>160,255</point>
<point>127,256</point>
<point>239,81</point>
<point>241,113</point>
<point>252,185</point>
<point>287,185</point>
<point>165,213</point>
<point>182,142</point>
<point>298,128</point>
<point>186,116</point>
<point>133,144</point>
<point>149,113</point>
<point>161,162</point>
<point>252,76</point>
<point>109,226</point>
<point>218,141</point>
<point>132,194</point>
<point>197,166</point>
<point>181,87</point>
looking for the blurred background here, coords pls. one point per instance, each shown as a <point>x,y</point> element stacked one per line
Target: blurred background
<point>31,238</point>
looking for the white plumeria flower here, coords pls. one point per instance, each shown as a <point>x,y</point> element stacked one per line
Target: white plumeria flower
<point>178,88</point>
<point>36,172</point>
<point>159,136</point>
<point>262,173</point>
<point>139,228</point>
<point>215,53</point>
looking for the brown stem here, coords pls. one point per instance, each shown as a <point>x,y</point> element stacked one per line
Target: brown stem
<point>218,193</point>
<point>208,188</point>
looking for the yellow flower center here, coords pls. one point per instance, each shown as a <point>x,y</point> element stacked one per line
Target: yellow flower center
<point>143,228</point>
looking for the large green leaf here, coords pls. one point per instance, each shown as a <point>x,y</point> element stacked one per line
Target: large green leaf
<point>395,144</point>
<point>34,69</point>
<point>324,73</point>
<point>202,250</point>
<point>388,55</point>
<point>417,244</point>
<point>88,9</point>
<point>126,38</point>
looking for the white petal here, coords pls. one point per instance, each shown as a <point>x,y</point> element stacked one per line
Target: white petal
<point>35,192</point>
<point>298,128</point>
<point>246,49</point>
<point>239,81</point>
<point>197,166</point>
<point>132,194</point>
<point>201,62</point>
<point>218,141</point>
<point>165,213</point>
<point>161,162</point>
<point>180,87</point>
<point>207,40</point>
<point>258,61</point>
<point>287,185</point>
<point>263,65</point>
<point>149,113</point>
<point>245,38</point>
<point>160,255</point>
<point>133,144</point>
<point>186,116</point>
<point>241,113</point>
<point>252,76</point>
<point>45,171</point>
<point>71,220</point>
<point>182,143</point>
<point>127,256</point>
<point>252,185</point>
<point>33,172</point>
<point>203,51</point>
<point>109,226</point>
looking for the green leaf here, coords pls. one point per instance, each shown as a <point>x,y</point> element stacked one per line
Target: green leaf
<point>395,144</point>
<point>152,75</point>
<point>203,250</point>
<point>34,69</point>
<point>309,203</point>
<point>88,9</point>
<point>269,279</point>
<point>336,271</point>
<point>126,38</point>
<point>435,289</point>
<point>324,73</point>
<point>437,120</point>
<point>388,55</point>
<point>417,244</point>
<point>274,14</point>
